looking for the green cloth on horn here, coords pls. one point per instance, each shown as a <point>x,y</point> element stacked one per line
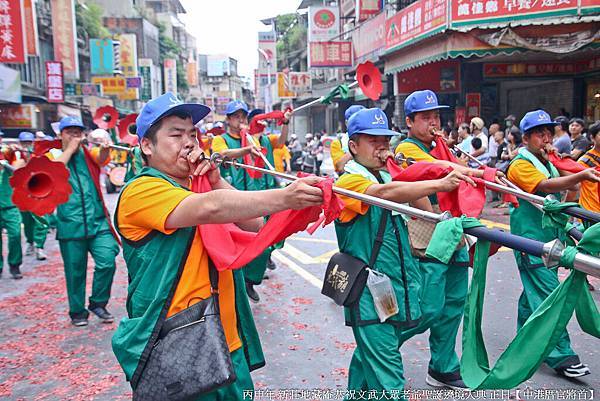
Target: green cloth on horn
<point>586,310</point>
<point>553,216</point>
<point>447,235</point>
<point>340,90</point>
<point>540,333</point>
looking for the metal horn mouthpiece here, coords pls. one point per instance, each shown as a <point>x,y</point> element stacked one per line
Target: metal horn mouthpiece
<point>400,159</point>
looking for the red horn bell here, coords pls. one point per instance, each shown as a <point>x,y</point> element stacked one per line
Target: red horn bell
<point>40,186</point>
<point>369,80</point>
<point>125,125</point>
<point>106,117</point>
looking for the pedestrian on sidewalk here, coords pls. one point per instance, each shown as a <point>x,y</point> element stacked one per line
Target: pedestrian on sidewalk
<point>580,144</point>
<point>84,225</point>
<point>562,139</point>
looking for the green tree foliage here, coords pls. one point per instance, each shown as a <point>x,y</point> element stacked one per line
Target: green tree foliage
<point>89,21</point>
<point>291,38</point>
<point>170,49</point>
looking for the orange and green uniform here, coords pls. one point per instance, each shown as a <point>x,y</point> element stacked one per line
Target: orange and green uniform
<point>279,156</point>
<point>443,290</point>
<point>82,227</point>
<point>588,197</point>
<point>377,362</point>
<point>154,254</point>
<point>338,149</point>
<point>527,172</point>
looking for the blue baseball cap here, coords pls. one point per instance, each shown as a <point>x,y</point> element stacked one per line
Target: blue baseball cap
<point>351,110</point>
<point>69,121</point>
<point>534,119</point>
<point>234,106</point>
<point>25,136</point>
<point>422,101</point>
<point>164,106</point>
<point>370,122</point>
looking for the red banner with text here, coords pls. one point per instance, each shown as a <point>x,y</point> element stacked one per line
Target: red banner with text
<point>12,49</point>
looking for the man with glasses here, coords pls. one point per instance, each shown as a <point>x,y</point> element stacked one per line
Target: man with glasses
<point>83,225</point>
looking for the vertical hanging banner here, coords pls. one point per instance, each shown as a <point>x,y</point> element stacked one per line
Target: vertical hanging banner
<point>31,29</point>
<point>145,67</point>
<point>323,23</point>
<point>460,114</point>
<point>473,102</point>
<point>129,63</point>
<point>102,57</point>
<point>192,73</point>
<point>12,39</point>
<point>365,9</point>
<point>128,54</point>
<point>55,92</point>
<point>65,37</point>
<point>283,86</point>
<point>170,75</point>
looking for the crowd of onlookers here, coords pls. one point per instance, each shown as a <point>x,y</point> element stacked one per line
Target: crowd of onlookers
<point>497,145</point>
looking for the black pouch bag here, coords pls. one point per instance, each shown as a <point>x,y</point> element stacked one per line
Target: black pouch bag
<point>190,356</point>
<point>346,276</point>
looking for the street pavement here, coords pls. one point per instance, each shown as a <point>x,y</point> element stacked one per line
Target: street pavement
<point>307,346</point>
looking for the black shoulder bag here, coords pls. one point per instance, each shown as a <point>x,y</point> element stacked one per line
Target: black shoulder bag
<point>346,276</point>
<point>190,356</point>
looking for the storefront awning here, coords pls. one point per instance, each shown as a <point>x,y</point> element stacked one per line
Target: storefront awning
<point>478,43</point>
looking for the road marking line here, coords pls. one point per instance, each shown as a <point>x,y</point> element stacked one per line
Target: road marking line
<point>298,254</point>
<point>490,223</point>
<point>324,258</point>
<point>298,270</point>
<point>324,241</point>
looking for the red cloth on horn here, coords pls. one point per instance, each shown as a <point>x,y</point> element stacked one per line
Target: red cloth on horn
<point>252,161</point>
<point>230,247</point>
<point>332,205</point>
<point>466,199</point>
<point>566,164</point>
<point>40,148</point>
<point>570,165</point>
<point>419,171</point>
<point>256,127</point>
<point>442,152</point>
